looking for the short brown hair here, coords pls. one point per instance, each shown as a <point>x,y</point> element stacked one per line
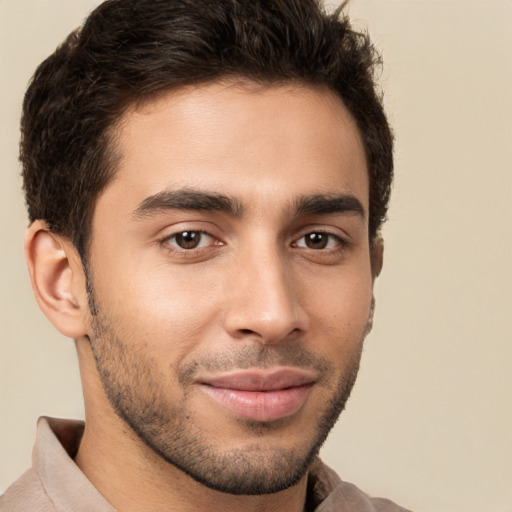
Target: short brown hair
<point>129,50</point>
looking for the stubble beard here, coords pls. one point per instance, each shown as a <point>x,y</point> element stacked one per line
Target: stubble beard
<point>137,394</point>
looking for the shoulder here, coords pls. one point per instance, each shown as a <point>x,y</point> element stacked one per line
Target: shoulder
<point>333,494</point>
<point>26,493</point>
<point>353,498</point>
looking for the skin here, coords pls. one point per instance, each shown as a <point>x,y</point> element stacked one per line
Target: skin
<point>260,291</point>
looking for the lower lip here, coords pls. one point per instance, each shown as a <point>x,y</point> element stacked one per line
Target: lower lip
<point>260,405</point>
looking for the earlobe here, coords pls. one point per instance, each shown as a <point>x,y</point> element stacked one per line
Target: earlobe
<point>57,279</point>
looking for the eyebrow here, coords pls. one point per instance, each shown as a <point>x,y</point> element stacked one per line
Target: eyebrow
<point>194,200</point>
<point>328,204</point>
<point>186,199</point>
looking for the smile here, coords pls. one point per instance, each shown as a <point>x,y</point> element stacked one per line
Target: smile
<point>261,395</point>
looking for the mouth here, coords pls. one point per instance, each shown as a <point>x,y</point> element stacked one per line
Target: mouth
<point>260,395</point>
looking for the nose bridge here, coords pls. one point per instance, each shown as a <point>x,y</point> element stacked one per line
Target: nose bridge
<point>263,300</point>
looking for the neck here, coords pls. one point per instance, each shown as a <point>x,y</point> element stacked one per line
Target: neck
<point>133,478</point>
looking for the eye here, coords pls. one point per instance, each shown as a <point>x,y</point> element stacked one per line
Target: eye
<point>318,241</point>
<point>190,239</point>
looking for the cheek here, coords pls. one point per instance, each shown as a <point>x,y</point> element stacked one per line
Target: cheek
<point>169,308</point>
<point>339,312</point>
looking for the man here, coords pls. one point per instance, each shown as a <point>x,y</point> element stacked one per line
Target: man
<point>206,181</point>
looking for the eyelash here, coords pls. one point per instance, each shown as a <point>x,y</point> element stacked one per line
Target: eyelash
<point>190,252</point>
<point>340,243</point>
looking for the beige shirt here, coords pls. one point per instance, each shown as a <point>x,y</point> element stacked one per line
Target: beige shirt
<point>56,484</point>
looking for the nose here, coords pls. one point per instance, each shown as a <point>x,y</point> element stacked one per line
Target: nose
<point>263,301</point>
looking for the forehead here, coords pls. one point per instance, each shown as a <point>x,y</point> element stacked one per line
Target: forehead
<point>244,140</point>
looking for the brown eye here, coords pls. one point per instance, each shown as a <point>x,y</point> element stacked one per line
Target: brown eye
<point>318,241</point>
<point>190,239</point>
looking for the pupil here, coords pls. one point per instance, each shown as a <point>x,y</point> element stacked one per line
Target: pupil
<point>188,239</point>
<point>316,241</point>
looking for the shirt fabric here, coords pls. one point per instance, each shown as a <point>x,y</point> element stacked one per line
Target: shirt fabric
<point>55,483</point>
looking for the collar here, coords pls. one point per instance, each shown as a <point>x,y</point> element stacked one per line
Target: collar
<point>57,442</point>
<point>69,489</point>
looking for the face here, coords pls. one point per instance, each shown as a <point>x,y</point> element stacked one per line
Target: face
<point>230,279</point>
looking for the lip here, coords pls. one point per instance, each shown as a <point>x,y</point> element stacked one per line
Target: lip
<point>260,395</point>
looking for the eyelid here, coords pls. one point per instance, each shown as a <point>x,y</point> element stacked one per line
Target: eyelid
<point>325,229</point>
<point>195,225</point>
<point>166,239</point>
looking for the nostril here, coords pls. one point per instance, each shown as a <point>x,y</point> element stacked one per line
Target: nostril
<point>247,331</point>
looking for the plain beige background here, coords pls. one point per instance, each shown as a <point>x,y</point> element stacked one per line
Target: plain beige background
<point>430,421</point>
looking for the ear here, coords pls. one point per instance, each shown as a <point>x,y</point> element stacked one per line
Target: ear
<point>376,255</point>
<point>376,261</point>
<point>58,279</point>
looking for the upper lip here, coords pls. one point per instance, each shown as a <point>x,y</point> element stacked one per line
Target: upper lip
<point>260,379</point>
